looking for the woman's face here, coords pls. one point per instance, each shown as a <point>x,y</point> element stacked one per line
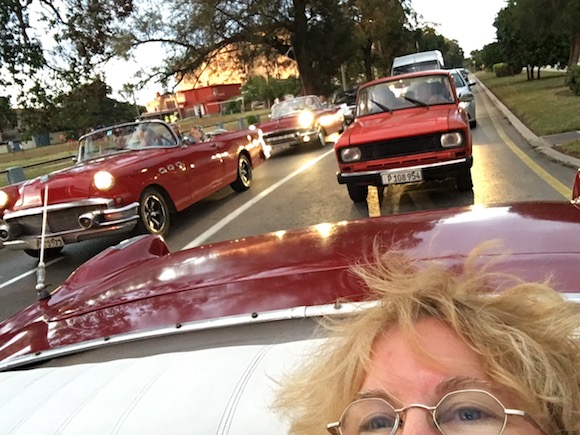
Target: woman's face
<point>400,374</point>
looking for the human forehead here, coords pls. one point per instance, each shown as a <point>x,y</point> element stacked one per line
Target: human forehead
<point>425,369</point>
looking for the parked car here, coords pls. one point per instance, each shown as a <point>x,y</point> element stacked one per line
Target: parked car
<point>462,86</point>
<point>127,177</point>
<point>140,340</point>
<point>408,128</point>
<point>301,120</point>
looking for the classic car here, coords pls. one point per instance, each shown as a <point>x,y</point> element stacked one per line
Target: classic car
<point>127,177</point>
<point>141,340</point>
<point>408,128</point>
<point>301,120</point>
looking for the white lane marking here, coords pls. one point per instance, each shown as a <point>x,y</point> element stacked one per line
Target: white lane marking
<point>30,272</point>
<point>218,226</point>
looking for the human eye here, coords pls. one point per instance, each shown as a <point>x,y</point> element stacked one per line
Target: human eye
<point>462,415</point>
<point>377,424</point>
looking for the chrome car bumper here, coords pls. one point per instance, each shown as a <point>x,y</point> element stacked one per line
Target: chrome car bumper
<point>67,223</point>
<point>432,171</point>
<point>290,137</point>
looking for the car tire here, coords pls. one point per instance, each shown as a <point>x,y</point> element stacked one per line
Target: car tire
<point>154,213</point>
<point>357,193</point>
<point>49,253</point>
<point>244,177</point>
<point>464,182</point>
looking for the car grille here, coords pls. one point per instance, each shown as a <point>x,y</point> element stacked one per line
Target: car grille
<point>57,221</point>
<point>279,137</point>
<point>400,147</point>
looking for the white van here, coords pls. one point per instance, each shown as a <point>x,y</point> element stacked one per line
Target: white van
<point>422,61</point>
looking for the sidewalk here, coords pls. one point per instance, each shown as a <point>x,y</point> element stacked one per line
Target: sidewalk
<point>543,144</point>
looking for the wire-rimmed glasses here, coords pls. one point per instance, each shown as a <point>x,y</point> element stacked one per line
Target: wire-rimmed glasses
<point>462,412</point>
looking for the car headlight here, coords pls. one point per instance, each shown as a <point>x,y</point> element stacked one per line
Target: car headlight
<point>305,119</point>
<point>352,154</point>
<point>3,199</point>
<point>103,180</point>
<point>451,140</point>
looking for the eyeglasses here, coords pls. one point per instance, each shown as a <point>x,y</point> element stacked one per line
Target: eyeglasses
<point>462,412</point>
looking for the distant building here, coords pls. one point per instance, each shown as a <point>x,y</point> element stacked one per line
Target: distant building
<point>207,91</point>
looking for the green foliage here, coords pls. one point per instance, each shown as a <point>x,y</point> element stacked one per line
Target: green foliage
<point>260,88</point>
<point>7,114</point>
<point>573,79</point>
<point>489,56</point>
<point>252,119</point>
<point>502,70</point>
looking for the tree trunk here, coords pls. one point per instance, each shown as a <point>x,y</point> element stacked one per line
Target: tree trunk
<point>528,73</point>
<point>574,50</point>
<point>539,68</point>
<point>367,59</point>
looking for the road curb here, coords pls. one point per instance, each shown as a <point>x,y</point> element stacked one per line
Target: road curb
<point>537,143</point>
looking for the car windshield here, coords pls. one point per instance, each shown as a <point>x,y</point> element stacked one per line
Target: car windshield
<point>458,80</point>
<point>296,105</point>
<point>386,96</point>
<point>125,137</point>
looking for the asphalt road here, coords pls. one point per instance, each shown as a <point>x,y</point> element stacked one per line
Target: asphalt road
<point>297,187</point>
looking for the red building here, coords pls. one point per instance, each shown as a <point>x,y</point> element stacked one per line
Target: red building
<point>206,100</point>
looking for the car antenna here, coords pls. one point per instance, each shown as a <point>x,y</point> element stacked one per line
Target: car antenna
<point>43,294</point>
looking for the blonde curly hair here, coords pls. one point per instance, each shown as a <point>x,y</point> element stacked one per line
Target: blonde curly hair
<point>527,335</point>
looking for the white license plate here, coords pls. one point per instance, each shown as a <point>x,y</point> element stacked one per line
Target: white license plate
<point>399,177</point>
<point>49,242</point>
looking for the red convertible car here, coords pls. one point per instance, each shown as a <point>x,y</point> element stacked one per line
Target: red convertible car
<point>141,340</point>
<point>126,177</point>
<point>408,128</point>
<point>302,120</point>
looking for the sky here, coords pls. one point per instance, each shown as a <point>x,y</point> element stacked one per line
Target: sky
<point>469,22</point>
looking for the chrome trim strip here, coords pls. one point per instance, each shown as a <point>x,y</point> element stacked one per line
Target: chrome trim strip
<point>407,168</point>
<point>56,207</point>
<point>301,312</point>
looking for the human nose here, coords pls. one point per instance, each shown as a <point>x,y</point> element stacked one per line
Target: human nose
<point>417,421</point>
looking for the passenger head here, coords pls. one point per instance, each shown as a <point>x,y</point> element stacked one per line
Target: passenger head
<point>433,333</point>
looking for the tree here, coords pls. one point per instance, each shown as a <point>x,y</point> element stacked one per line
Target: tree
<point>7,114</point>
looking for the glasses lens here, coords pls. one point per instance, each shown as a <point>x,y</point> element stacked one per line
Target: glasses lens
<point>470,413</point>
<point>368,416</point>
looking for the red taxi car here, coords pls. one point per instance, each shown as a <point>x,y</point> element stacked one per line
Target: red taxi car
<point>129,176</point>
<point>302,120</point>
<point>141,340</point>
<point>408,128</point>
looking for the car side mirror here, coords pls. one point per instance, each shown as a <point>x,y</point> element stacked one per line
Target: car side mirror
<point>466,97</point>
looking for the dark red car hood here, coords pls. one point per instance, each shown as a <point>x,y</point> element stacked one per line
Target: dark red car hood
<point>282,123</point>
<point>74,183</point>
<point>139,285</point>
<point>399,123</point>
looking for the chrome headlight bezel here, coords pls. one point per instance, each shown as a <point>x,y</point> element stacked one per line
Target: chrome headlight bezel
<point>451,140</point>
<point>103,180</point>
<point>350,154</point>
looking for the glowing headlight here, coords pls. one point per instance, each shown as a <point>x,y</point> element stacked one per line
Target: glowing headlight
<point>451,140</point>
<point>3,199</point>
<point>327,120</point>
<point>103,180</point>
<point>348,155</point>
<point>305,119</point>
